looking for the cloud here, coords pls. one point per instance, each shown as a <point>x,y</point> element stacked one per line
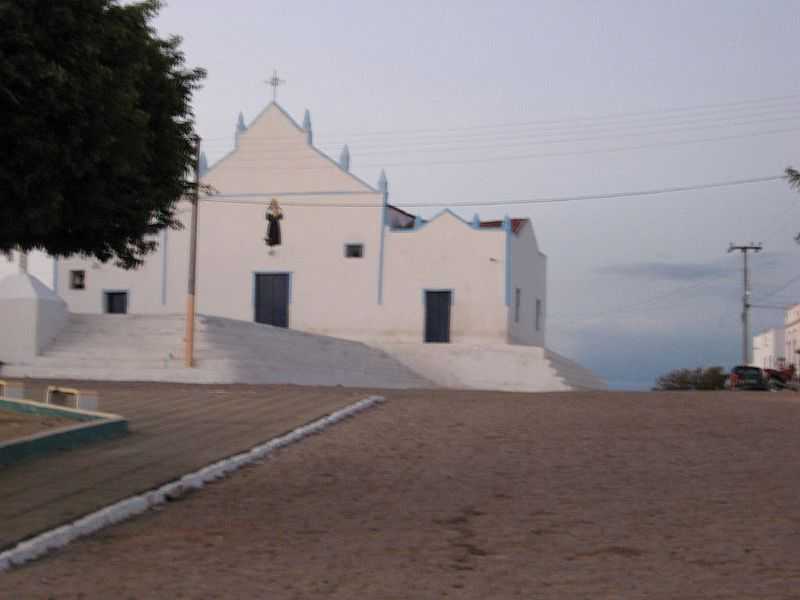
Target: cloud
<point>697,271</point>
<point>672,271</point>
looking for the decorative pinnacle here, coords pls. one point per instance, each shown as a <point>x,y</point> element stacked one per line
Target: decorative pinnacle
<point>344,158</point>
<point>202,168</point>
<point>383,183</point>
<point>240,129</point>
<point>307,127</point>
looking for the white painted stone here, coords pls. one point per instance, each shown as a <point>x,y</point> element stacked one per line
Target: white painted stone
<point>124,509</point>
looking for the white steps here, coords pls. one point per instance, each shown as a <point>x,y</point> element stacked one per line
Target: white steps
<point>150,348</point>
<point>506,367</point>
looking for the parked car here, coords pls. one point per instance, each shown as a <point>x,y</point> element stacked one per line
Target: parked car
<point>745,377</point>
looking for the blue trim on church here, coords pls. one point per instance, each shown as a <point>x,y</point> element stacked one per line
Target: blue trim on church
<point>507,229</point>
<point>55,274</point>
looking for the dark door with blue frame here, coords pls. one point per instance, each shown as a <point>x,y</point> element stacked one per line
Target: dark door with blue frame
<point>437,316</point>
<point>272,299</point>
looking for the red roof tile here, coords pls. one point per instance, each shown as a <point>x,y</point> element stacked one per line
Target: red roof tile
<point>516,224</point>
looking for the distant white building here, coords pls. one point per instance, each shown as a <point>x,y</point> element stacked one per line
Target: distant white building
<point>769,349</point>
<point>792,337</point>
<point>349,264</point>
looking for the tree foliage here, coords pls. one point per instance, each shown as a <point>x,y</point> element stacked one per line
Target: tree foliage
<point>97,128</point>
<point>711,378</point>
<point>793,175</point>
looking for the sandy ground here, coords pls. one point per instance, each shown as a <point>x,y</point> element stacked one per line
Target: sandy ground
<point>16,425</point>
<point>468,495</point>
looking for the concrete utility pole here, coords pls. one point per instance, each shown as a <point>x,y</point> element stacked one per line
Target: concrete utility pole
<point>190,302</point>
<point>744,249</point>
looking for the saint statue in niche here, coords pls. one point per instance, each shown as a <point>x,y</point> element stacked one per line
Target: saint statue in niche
<point>274,216</point>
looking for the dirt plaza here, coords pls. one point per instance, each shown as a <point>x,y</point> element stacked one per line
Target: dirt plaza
<point>438,494</point>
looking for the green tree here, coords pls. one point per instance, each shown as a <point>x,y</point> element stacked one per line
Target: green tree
<point>96,131</point>
<point>793,175</point>
<point>711,378</point>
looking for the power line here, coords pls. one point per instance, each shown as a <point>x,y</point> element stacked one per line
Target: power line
<point>287,151</point>
<point>261,167</point>
<point>241,198</point>
<point>607,116</point>
<point>402,140</point>
<point>780,289</point>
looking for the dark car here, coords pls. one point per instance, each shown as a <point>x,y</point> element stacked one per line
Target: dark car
<point>748,378</point>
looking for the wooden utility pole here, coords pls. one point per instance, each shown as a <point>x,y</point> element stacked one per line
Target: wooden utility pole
<point>190,296</point>
<point>746,344</point>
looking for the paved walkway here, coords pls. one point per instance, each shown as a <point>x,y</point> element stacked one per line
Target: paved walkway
<point>466,495</point>
<point>175,429</point>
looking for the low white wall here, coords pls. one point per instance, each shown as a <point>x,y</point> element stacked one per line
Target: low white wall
<point>31,316</point>
<point>18,340</point>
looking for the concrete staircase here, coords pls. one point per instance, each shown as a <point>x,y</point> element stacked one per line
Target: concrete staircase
<point>572,374</point>
<point>150,348</point>
<point>505,367</point>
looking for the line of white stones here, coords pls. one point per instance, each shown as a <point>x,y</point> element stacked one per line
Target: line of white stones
<point>124,509</point>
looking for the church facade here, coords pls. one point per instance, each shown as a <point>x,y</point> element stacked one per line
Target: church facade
<point>336,257</point>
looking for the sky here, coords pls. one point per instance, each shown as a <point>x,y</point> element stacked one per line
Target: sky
<point>464,101</point>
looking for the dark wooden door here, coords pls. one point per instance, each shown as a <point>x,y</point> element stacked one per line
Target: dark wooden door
<point>117,303</point>
<point>437,316</point>
<point>272,299</point>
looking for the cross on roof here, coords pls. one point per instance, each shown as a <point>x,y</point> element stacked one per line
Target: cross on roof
<point>274,82</point>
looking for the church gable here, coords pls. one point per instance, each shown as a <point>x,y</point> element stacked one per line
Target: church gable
<point>276,155</point>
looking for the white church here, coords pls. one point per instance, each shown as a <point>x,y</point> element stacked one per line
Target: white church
<point>291,238</point>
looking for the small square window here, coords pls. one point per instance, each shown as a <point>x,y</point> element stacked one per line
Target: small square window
<point>354,250</point>
<point>77,280</point>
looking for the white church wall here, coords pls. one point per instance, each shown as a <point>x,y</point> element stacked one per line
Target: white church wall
<point>329,293</point>
<point>527,286</point>
<point>273,155</point>
<point>324,208</point>
<point>157,287</point>
<point>446,254</point>
<point>142,284</point>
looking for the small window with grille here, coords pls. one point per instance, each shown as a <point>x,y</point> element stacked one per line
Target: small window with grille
<point>77,280</point>
<point>354,250</point>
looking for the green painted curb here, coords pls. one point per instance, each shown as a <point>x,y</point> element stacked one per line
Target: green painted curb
<point>46,410</point>
<point>91,427</point>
